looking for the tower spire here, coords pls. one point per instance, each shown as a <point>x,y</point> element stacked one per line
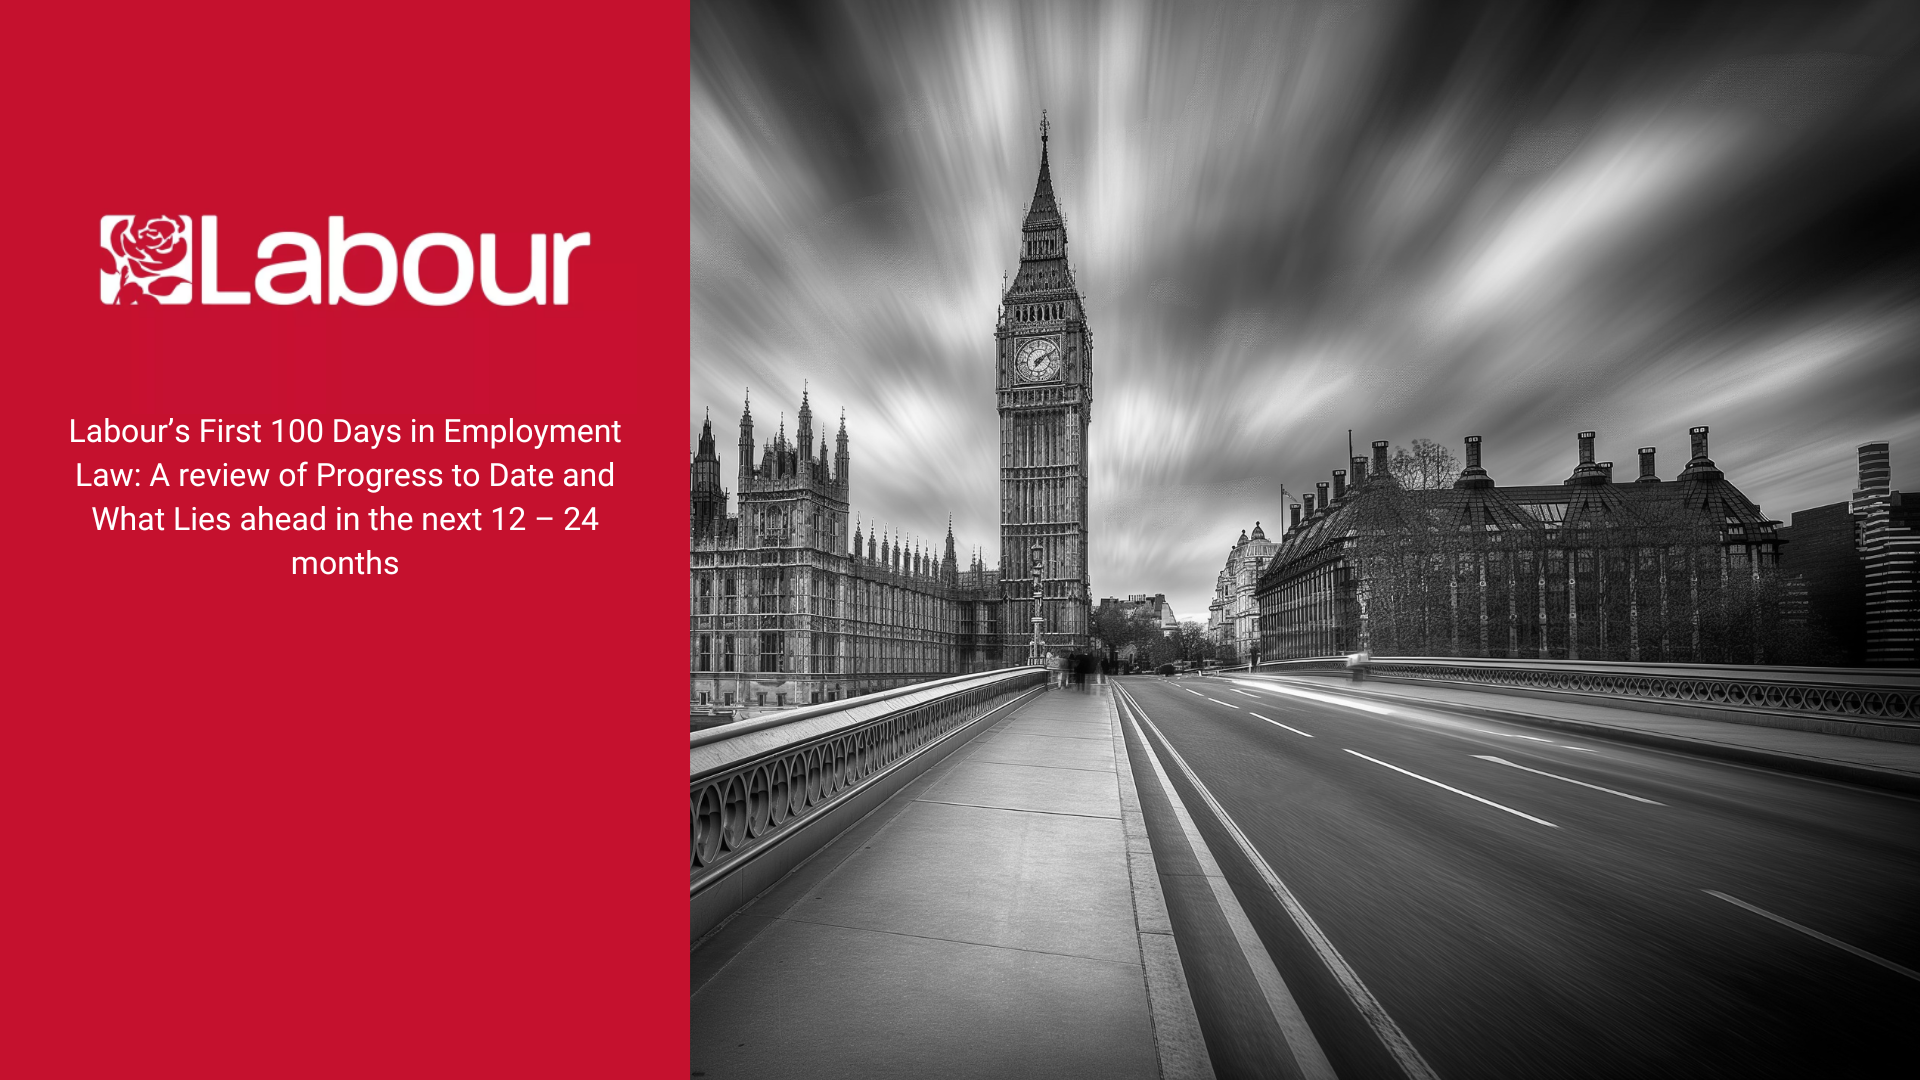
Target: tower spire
<point>804,434</point>
<point>1044,211</point>
<point>746,441</point>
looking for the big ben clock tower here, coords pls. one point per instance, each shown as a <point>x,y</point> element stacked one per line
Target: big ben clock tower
<point>1043,360</point>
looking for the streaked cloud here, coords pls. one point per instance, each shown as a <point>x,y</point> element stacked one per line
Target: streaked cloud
<point>1295,219</point>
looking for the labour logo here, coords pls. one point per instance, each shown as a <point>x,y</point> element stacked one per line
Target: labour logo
<point>150,258</point>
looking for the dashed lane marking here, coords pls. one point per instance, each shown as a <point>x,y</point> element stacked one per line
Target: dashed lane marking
<point>1568,779</point>
<point>1277,723</point>
<point>1455,790</point>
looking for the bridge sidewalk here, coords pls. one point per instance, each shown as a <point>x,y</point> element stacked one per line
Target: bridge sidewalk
<point>1000,916</point>
<point>1890,765</point>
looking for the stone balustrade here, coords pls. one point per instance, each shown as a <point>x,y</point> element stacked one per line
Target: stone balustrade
<point>755,783</point>
<point>1882,703</point>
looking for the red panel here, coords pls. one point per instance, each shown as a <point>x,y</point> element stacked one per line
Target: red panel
<point>265,824</point>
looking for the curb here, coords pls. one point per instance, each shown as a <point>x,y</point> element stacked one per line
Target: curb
<point>1176,1025</point>
<point>1871,776</point>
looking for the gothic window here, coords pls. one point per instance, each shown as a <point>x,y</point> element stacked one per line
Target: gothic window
<point>726,663</point>
<point>770,598</point>
<point>770,651</point>
<point>706,653</point>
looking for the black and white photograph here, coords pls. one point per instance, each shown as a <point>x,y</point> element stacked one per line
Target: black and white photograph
<point>1304,539</point>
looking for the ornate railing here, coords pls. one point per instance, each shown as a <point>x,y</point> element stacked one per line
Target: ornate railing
<point>1823,693</point>
<point>754,782</point>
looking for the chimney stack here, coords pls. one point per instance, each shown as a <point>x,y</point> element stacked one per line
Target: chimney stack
<point>1321,488</point>
<point>1380,458</point>
<point>1700,467</point>
<point>1473,476</point>
<point>1646,467</point>
<point>1295,511</point>
<point>1587,472</point>
<point>1306,501</point>
<point>1339,484</point>
<point>1359,471</point>
<point>1607,468</point>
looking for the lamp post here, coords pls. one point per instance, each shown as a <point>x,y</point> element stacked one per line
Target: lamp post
<point>1033,650</point>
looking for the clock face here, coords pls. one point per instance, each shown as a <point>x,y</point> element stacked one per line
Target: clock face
<point>1038,360</point>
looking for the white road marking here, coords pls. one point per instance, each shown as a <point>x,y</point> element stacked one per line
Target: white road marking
<point>1243,693</point>
<point>1277,723</point>
<point>1363,706</point>
<point>1217,701</point>
<point>1308,1057</point>
<point>1812,933</point>
<point>1568,779</point>
<point>1388,1032</point>
<point>1456,790</point>
<point>1324,699</point>
<point>1532,738</point>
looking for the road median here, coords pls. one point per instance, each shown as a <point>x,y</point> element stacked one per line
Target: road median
<point>1896,767</point>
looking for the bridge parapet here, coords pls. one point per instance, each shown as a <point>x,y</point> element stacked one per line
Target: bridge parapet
<point>765,793</point>
<point>1881,704</point>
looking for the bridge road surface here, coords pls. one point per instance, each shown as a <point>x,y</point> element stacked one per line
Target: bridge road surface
<point>1569,930</point>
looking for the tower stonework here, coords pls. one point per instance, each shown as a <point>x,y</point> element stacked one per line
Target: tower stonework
<point>1043,364</point>
<point>795,602</point>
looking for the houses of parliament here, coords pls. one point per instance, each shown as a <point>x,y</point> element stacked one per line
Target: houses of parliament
<point>788,609</point>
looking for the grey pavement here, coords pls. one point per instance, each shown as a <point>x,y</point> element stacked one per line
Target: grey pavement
<point>985,922</point>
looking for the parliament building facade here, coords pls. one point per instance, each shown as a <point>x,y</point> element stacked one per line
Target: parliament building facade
<point>793,603</point>
<point>1647,570</point>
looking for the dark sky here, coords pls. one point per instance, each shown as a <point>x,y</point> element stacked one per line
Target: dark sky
<point>1289,220</point>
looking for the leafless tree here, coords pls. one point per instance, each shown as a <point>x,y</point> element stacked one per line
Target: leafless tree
<point>1429,465</point>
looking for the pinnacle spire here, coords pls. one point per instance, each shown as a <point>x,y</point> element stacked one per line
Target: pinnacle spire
<point>1044,211</point>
